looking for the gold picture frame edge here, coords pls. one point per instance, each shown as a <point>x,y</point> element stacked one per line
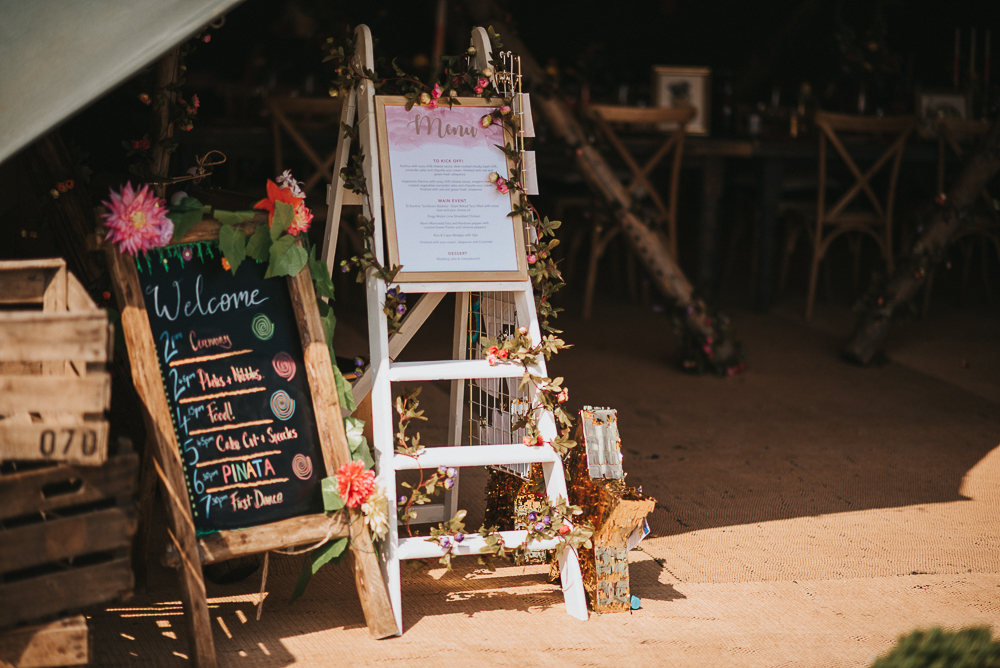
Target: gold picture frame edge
<point>705,128</point>
<point>385,173</point>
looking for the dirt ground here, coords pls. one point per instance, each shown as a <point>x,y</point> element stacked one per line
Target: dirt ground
<point>809,513</point>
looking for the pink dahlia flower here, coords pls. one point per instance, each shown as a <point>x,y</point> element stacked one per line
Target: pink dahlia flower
<point>354,483</point>
<point>137,220</point>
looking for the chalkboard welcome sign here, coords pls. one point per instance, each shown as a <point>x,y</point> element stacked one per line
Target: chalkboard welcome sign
<point>242,412</point>
<point>232,367</point>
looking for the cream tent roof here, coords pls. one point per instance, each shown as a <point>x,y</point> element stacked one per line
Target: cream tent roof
<point>56,56</point>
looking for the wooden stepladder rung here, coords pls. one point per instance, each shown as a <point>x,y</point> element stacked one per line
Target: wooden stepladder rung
<point>476,455</point>
<point>451,370</point>
<point>420,548</point>
<point>459,370</point>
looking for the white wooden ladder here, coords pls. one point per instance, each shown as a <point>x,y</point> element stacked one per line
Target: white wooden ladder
<point>384,371</point>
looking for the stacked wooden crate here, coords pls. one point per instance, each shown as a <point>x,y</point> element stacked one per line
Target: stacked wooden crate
<point>66,508</point>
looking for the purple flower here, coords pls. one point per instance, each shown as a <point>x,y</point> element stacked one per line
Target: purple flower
<point>547,520</point>
<point>344,269</point>
<point>459,537</point>
<point>187,254</point>
<point>539,527</point>
<point>532,516</point>
<point>449,483</point>
<point>402,298</point>
<point>402,499</point>
<point>445,542</point>
<point>452,472</point>
<point>391,292</point>
<point>401,309</point>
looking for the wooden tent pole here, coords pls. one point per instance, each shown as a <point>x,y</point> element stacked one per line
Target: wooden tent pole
<point>909,277</point>
<point>663,268</point>
<point>163,128</point>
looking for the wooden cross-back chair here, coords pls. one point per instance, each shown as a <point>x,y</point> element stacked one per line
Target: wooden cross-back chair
<point>673,122</point>
<point>859,208</point>
<point>957,135</point>
<point>296,116</point>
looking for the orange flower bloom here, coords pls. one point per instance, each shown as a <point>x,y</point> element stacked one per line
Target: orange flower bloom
<point>275,193</point>
<point>354,483</point>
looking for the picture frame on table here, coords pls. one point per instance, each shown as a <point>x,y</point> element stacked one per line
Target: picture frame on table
<point>446,218</point>
<point>932,105</point>
<point>685,86</point>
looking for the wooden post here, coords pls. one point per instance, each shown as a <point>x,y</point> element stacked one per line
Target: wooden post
<point>163,128</point>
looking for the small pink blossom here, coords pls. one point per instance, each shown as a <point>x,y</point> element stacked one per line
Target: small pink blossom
<point>502,187</point>
<point>526,440</point>
<point>478,89</point>
<point>483,81</point>
<point>433,104</point>
<point>522,331</point>
<point>137,220</point>
<point>492,359</point>
<point>563,396</point>
<point>503,354</point>
<point>532,258</point>
<point>436,91</point>
<point>206,39</point>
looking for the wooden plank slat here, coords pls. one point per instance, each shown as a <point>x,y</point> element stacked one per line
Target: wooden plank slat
<point>27,336</point>
<point>34,598</point>
<point>63,642</point>
<point>45,542</point>
<point>83,442</point>
<point>69,394</point>
<point>36,491</point>
<point>77,298</point>
<point>293,532</point>
<point>23,286</point>
<point>28,281</point>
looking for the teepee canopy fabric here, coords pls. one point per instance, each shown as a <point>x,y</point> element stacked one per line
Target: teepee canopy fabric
<point>56,56</point>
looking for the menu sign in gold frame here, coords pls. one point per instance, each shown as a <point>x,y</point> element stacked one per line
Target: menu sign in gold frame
<point>445,219</point>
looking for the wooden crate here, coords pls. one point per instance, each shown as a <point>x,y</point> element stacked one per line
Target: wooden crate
<point>65,537</point>
<point>614,508</point>
<point>63,642</point>
<point>55,345</point>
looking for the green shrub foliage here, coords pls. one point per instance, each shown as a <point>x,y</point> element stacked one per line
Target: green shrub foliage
<point>968,648</point>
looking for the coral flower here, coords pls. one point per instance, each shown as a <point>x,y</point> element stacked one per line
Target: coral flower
<point>355,483</point>
<point>303,217</point>
<point>137,220</point>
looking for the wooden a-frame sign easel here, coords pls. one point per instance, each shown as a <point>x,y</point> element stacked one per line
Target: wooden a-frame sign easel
<point>162,444</point>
